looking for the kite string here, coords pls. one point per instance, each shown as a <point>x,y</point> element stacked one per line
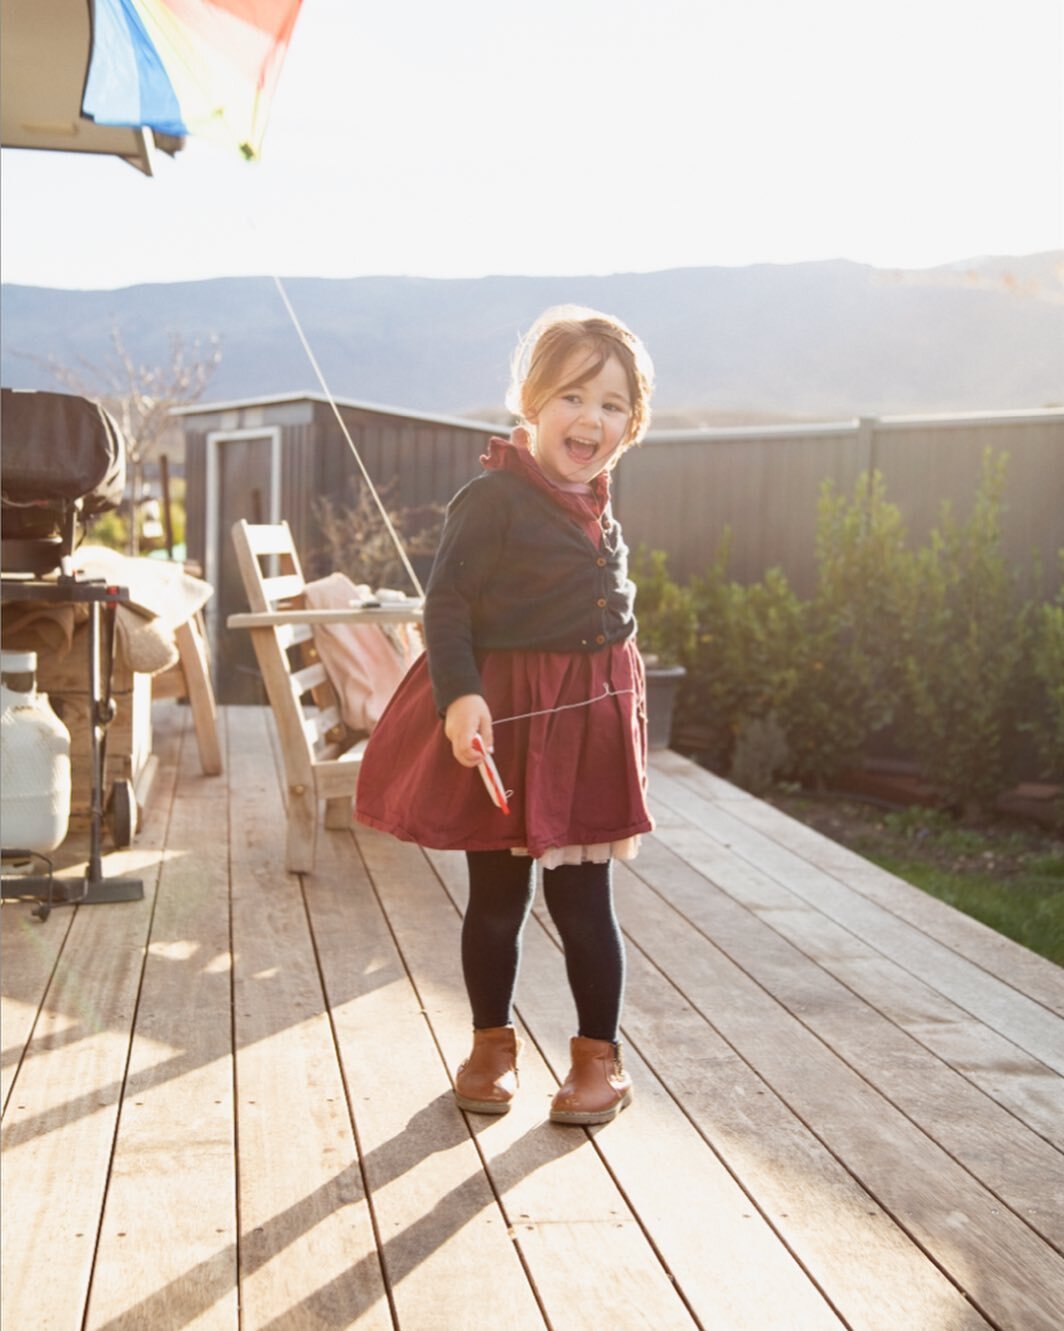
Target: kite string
<point>607,692</point>
<point>346,433</point>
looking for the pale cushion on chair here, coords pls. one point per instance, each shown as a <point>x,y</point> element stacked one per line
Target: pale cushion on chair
<point>364,662</point>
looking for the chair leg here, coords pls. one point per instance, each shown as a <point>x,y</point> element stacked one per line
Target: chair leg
<point>338,813</point>
<point>191,646</point>
<point>302,825</point>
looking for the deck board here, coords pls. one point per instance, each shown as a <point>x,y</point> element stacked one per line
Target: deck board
<point>438,1221</point>
<point>229,1105</point>
<point>60,1121</point>
<point>995,1001</point>
<point>167,1243</point>
<point>308,1252</point>
<point>28,956</point>
<point>563,1207</point>
<point>732,1269</point>
<point>868,1036</point>
<point>912,1178</point>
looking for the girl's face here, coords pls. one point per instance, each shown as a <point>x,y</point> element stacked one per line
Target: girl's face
<point>579,429</point>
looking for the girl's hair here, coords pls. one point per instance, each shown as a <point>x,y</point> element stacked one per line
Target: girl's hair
<point>542,354</point>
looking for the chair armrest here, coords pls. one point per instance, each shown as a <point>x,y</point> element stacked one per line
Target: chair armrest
<point>411,613</point>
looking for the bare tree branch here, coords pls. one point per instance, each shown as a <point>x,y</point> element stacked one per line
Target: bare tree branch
<point>141,396</point>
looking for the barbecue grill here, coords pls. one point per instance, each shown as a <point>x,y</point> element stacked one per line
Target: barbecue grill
<point>63,462</point>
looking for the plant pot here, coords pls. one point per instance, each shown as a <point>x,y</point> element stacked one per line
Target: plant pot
<point>662,684</point>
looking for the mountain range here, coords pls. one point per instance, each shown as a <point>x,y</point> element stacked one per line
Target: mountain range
<point>767,341</point>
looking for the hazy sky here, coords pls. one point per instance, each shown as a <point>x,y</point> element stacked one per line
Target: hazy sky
<point>591,136</point>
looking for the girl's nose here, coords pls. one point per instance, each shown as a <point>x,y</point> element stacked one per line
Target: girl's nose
<point>591,412</point>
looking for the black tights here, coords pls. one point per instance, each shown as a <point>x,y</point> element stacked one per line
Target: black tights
<point>580,900</point>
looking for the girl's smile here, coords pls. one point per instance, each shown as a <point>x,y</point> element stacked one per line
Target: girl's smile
<point>580,428</point>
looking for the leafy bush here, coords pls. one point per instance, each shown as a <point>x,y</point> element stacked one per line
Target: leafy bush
<point>850,682</point>
<point>664,611</point>
<point>937,644</point>
<point>761,753</point>
<point>825,668</point>
<point>1047,657</point>
<point>966,641</point>
<point>355,540</point>
<point>749,652</point>
<point>109,529</point>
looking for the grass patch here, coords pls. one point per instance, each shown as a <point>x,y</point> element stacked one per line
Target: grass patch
<point>1007,874</point>
<point>1028,908</point>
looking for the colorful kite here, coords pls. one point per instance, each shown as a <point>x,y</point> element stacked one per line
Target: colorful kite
<point>204,67</point>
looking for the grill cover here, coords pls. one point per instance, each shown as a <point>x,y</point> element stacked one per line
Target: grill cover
<point>57,449</point>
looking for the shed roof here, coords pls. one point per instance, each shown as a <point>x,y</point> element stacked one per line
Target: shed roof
<point>280,399</point>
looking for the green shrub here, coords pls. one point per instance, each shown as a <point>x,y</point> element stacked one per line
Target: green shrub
<point>355,540</point>
<point>761,754</point>
<point>826,669</point>
<point>966,640</point>
<point>665,611</point>
<point>750,650</point>
<point>178,516</point>
<point>1047,659</point>
<point>936,645</point>
<point>851,677</point>
<point>109,529</point>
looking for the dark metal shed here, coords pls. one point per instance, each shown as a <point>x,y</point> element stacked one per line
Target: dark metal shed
<point>268,459</point>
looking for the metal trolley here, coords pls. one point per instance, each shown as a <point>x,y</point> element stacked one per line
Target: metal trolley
<point>64,461</point>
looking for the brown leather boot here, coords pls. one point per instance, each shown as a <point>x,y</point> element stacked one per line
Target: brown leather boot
<point>485,1083</point>
<point>597,1087</point>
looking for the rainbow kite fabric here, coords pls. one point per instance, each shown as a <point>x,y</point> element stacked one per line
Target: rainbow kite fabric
<point>203,67</point>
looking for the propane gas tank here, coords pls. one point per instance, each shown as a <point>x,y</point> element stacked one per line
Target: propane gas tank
<point>34,760</point>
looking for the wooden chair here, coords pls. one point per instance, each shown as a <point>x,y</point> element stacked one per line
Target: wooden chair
<point>190,679</point>
<point>321,756</point>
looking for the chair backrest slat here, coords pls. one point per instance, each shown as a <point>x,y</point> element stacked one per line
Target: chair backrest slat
<point>311,731</point>
<point>308,678</point>
<point>291,635</point>
<point>325,721</point>
<point>283,587</point>
<point>303,700</point>
<point>269,539</point>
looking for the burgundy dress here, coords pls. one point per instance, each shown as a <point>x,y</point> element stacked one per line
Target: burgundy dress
<point>574,770</point>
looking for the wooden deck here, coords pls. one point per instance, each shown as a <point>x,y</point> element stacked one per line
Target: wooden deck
<point>229,1106</point>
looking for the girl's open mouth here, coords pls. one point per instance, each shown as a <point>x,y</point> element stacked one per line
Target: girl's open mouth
<point>581,450</point>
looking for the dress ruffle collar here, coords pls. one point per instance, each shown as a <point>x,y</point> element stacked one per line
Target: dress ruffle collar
<point>514,455</point>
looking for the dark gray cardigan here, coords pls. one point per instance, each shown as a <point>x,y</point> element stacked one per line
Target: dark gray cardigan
<point>515,571</point>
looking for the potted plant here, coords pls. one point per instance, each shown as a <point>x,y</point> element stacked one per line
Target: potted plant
<point>665,616</point>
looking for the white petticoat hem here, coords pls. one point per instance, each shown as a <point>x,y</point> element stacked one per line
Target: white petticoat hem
<point>554,856</point>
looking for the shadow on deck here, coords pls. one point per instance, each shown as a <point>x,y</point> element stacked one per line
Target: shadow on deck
<point>229,1104</point>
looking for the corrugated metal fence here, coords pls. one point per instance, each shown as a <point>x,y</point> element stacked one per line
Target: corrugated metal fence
<point>680,490</point>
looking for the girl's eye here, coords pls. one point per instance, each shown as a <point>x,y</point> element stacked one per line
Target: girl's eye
<point>574,398</point>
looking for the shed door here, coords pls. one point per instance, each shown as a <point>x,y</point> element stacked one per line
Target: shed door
<point>245,468</point>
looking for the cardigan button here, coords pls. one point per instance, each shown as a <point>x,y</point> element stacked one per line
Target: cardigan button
<point>600,562</point>
<point>600,639</point>
<point>601,603</point>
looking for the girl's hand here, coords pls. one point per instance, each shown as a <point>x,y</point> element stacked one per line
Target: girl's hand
<point>465,717</point>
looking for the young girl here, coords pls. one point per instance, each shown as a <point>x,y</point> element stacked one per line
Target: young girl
<point>531,658</point>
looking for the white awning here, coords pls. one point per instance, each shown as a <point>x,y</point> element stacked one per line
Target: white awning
<point>44,56</point>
